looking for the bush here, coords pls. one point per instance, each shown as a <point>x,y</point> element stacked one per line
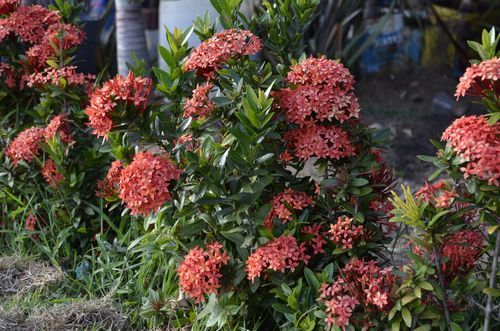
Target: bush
<point>243,192</point>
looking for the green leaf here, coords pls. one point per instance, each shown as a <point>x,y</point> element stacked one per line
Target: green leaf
<point>406,316</point>
<point>311,279</point>
<point>455,327</point>
<point>426,285</point>
<point>407,299</point>
<point>425,327</point>
<point>359,182</point>
<point>492,291</point>
<point>395,326</point>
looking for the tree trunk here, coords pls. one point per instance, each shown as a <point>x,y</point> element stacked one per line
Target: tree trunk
<point>130,34</point>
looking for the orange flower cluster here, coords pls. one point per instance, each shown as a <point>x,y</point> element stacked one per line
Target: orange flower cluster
<point>359,283</point>
<point>463,249</point>
<point>345,234</point>
<point>324,91</point>
<point>8,6</point>
<point>144,183</point>
<point>477,144</point>
<point>319,141</point>
<point>221,47</point>
<point>283,203</point>
<point>108,187</point>
<point>50,173</point>
<point>278,254</point>
<point>26,146</point>
<point>62,77</point>
<point>199,273</point>
<point>438,194</point>
<point>130,90</point>
<point>59,125</point>
<point>479,78</point>
<point>200,105</point>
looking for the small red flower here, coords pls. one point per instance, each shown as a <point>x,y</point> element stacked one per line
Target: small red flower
<point>30,223</point>
<point>221,47</point>
<point>345,234</point>
<point>8,6</point>
<point>7,73</point>
<point>278,254</point>
<point>62,77</point>
<point>199,272</point>
<point>30,23</point>
<point>317,240</point>
<point>130,90</point>
<point>359,283</point>
<point>440,194</point>
<point>59,125</point>
<point>50,173</point>
<point>200,105</point>
<point>144,183</point>
<point>26,146</point>
<point>57,37</point>
<point>319,141</point>
<point>477,144</point>
<point>463,249</point>
<point>479,78</point>
<point>284,203</point>
<point>323,91</point>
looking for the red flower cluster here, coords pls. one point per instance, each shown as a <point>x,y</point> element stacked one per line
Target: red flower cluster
<point>319,141</point>
<point>50,173</point>
<point>108,187</point>
<point>438,194</point>
<point>62,77</point>
<point>222,46</point>
<point>30,23</point>
<point>199,273</point>
<point>26,146</point>
<point>8,6</point>
<point>345,234</point>
<point>59,125</point>
<point>200,105</point>
<point>144,183</point>
<point>359,283</point>
<point>324,91</point>
<point>283,202</point>
<point>278,254</point>
<point>30,223</point>
<point>130,90</point>
<point>317,240</point>
<point>463,249</point>
<point>479,78</point>
<point>7,73</point>
<point>476,143</point>
<point>61,36</point>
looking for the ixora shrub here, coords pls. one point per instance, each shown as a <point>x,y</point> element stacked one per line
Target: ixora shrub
<point>259,179</point>
<point>456,242</point>
<point>50,163</point>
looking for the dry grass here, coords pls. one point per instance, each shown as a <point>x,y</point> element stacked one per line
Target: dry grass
<point>81,315</point>
<point>20,275</point>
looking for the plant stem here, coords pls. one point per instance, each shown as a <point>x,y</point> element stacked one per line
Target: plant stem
<point>446,309</point>
<point>493,276</point>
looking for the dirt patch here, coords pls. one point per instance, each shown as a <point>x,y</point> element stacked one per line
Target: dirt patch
<point>21,275</point>
<point>406,103</point>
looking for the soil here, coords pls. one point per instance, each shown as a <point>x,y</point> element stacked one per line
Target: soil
<point>406,103</point>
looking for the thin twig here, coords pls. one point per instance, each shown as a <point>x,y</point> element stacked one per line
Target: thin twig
<point>493,277</point>
<point>446,309</point>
